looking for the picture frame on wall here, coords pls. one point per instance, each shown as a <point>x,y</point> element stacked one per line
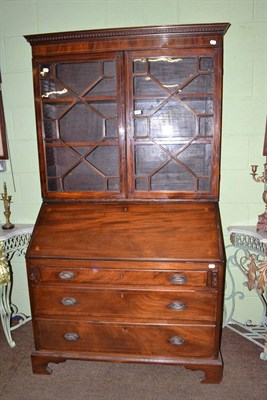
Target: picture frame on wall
<point>3,139</point>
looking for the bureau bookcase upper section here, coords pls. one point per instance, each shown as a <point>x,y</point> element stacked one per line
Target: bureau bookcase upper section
<point>132,113</point>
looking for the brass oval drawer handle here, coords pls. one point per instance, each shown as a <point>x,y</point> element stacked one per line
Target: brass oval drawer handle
<point>66,275</point>
<point>71,336</point>
<point>178,279</point>
<point>176,306</point>
<point>177,341</point>
<point>68,301</point>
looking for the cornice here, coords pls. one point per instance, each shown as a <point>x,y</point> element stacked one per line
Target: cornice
<point>183,30</point>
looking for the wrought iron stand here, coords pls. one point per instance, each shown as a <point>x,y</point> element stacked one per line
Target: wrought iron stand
<point>13,241</point>
<point>251,258</point>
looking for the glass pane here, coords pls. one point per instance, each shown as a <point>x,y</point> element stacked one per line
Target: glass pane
<point>145,85</point>
<point>109,68</point>
<point>53,185</point>
<point>51,162</point>
<point>106,87</point>
<point>53,90</point>
<point>197,157</point>
<point>84,178</point>
<point>81,150</point>
<point>200,84</point>
<point>174,149</point>
<point>200,106</point>
<point>206,64</point>
<point>173,120</point>
<point>142,184</point>
<point>81,124</point>
<point>111,129</point>
<point>139,65</point>
<point>140,127</point>
<point>173,177</point>
<point>50,129</point>
<point>105,108</point>
<point>204,185</point>
<point>206,126</point>
<point>146,107</point>
<point>79,76</point>
<point>105,159</point>
<point>113,184</point>
<point>54,111</point>
<point>172,71</point>
<point>59,159</point>
<point>148,158</point>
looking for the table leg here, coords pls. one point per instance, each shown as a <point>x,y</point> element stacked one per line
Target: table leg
<point>5,311</point>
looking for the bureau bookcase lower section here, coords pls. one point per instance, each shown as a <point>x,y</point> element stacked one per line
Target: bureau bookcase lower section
<point>127,311</point>
<point>113,288</point>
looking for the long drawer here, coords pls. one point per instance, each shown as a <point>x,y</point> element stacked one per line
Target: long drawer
<point>119,276</point>
<point>148,304</point>
<point>119,338</point>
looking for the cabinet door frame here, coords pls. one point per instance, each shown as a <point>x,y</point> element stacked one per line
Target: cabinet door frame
<point>91,195</point>
<point>216,54</point>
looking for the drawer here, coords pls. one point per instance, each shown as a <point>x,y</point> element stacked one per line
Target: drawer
<point>103,276</point>
<point>131,339</point>
<point>138,304</point>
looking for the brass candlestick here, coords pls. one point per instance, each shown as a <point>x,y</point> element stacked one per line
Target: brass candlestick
<point>7,200</point>
<point>262,219</point>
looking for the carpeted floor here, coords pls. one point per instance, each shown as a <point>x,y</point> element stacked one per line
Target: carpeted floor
<point>245,376</point>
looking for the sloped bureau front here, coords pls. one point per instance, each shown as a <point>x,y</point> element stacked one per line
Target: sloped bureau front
<point>126,260</point>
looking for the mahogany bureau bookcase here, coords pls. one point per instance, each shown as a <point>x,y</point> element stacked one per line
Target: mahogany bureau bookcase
<point>126,261</point>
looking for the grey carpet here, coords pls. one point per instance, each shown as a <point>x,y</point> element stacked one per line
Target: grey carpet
<point>244,376</point>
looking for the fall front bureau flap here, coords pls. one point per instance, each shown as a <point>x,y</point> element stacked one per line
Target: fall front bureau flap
<point>177,231</point>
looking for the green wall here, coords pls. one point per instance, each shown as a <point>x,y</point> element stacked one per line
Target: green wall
<point>244,108</point>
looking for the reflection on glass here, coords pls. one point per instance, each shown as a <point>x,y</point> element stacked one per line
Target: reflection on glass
<point>53,90</point>
<point>172,72</point>
<point>172,119</point>
<point>81,124</point>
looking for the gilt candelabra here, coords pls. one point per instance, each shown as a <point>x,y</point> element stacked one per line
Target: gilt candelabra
<point>7,200</point>
<point>262,219</point>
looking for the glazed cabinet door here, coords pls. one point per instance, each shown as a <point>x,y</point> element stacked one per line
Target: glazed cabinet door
<point>173,114</point>
<point>80,126</point>
<point>140,124</point>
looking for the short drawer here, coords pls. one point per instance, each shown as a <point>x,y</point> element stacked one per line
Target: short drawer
<point>140,304</point>
<point>100,276</point>
<point>131,339</point>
